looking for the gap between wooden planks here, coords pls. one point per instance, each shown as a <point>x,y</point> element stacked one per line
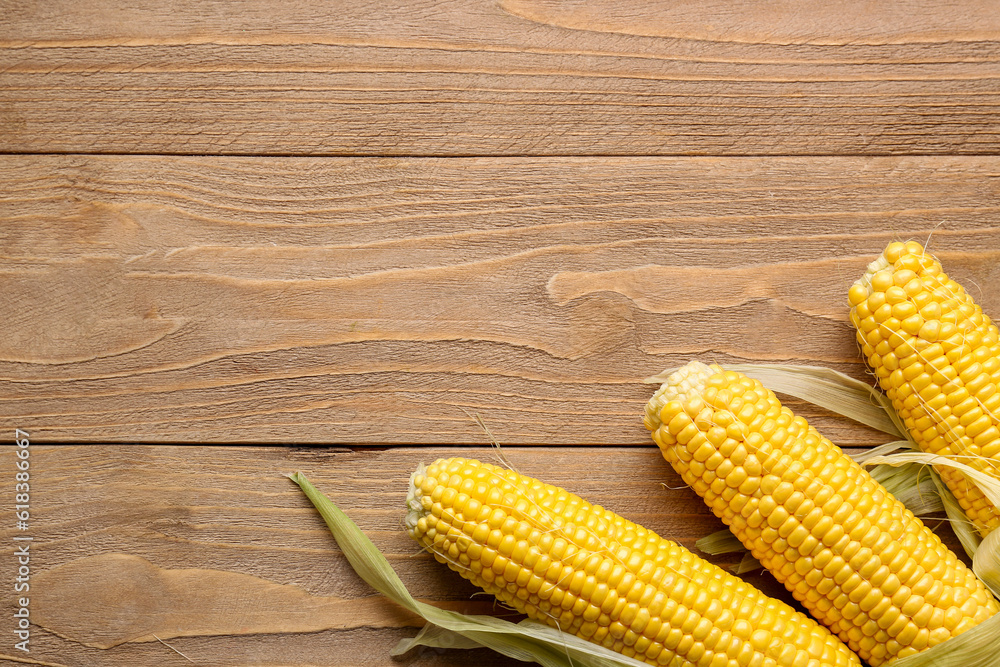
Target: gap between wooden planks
<point>515,77</point>
<point>313,300</point>
<point>214,552</point>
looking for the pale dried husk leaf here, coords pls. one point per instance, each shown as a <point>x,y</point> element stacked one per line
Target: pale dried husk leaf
<point>986,562</point>
<point>719,542</point>
<point>967,533</point>
<point>914,485</point>
<point>990,486</point>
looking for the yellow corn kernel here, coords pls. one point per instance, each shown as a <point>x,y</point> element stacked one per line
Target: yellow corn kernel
<point>959,350</point>
<point>870,561</point>
<point>587,571</point>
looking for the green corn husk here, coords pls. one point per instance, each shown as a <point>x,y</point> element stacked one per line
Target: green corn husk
<point>720,542</point>
<point>528,641</point>
<point>724,542</point>
<point>989,485</point>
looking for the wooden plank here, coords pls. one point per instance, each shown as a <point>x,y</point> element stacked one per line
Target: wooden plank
<point>357,301</point>
<point>141,551</point>
<point>517,77</point>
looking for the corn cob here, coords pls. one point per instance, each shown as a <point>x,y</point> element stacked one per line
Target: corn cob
<point>937,358</point>
<point>853,555</point>
<point>589,572</point>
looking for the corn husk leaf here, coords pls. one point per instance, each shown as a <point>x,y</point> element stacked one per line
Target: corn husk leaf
<point>913,485</point>
<point>719,542</point>
<point>527,641</point>
<point>530,642</point>
<point>828,389</point>
<point>747,564</point>
<point>887,448</point>
<point>724,542</point>
<point>966,533</point>
<point>986,562</point>
<point>990,486</point>
<point>434,636</point>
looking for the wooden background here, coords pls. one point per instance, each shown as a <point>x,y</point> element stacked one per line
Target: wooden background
<point>241,239</point>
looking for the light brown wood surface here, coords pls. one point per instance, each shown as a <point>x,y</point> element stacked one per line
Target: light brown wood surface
<point>508,77</point>
<point>358,301</point>
<point>243,238</point>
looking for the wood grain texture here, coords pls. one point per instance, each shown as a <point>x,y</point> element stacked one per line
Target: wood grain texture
<point>359,223</point>
<point>516,77</point>
<point>216,553</point>
<point>359,301</point>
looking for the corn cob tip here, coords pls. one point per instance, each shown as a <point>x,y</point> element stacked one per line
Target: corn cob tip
<point>878,275</point>
<point>681,384</point>
<point>413,504</point>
